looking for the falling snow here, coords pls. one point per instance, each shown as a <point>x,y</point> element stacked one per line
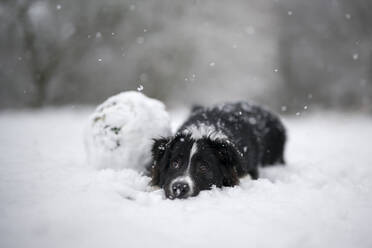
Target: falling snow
<point>250,30</point>
<point>140,40</point>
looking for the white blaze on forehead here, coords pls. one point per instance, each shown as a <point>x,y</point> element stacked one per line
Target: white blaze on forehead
<point>202,130</point>
<point>193,150</point>
<point>186,178</point>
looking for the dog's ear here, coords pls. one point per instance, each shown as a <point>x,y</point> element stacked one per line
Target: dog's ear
<point>158,150</point>
<point>196,107</point>
<point>230,158</point>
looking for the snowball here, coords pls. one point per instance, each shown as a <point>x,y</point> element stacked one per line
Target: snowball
<point>120,131</point>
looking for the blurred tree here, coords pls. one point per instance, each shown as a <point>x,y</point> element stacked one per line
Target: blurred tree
<point>324,49</point>
<point>50,44</point>
<point>182,52</point>
<point>361,20</point>
<point>42,69</point>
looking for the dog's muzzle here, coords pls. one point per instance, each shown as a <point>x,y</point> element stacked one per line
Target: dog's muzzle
<point>180,189</point>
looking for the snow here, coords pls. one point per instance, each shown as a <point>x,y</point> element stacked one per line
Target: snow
<point>121,130</point>
<point>98,35</point>
<point>51,197</point>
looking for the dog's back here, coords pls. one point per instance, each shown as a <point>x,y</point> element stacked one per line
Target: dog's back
<point>257,134</point>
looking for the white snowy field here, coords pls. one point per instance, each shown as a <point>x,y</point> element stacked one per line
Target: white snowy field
<point>50,197</point>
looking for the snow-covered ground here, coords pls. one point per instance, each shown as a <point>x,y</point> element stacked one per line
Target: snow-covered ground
<point>50,197</point>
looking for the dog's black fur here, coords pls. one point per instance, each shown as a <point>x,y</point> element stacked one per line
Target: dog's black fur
<point>217,146</point>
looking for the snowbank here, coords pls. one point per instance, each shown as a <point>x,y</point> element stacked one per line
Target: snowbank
<point>120,131</point>
<point>49,196</point>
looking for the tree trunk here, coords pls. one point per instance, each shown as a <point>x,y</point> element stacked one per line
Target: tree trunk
<point>41,74</point>
<point>40,82</point>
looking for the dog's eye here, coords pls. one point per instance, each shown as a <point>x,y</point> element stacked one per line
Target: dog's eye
<point>203,167</point>
<point>175,164</point>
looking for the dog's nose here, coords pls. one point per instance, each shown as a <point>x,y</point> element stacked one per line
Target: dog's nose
<point>180,189</point>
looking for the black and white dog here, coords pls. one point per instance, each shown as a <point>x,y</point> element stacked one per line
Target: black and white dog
<point>217,146</point>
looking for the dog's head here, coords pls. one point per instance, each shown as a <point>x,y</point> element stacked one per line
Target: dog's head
<point>184,166</point>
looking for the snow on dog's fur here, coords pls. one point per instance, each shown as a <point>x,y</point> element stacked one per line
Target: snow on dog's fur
<point>217,146</point>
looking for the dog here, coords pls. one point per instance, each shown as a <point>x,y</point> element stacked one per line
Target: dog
<point>216,146</point>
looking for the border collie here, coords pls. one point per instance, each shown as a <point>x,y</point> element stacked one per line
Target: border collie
<point>217,146</point>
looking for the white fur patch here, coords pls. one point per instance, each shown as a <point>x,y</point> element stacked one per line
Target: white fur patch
<point>186,178</point>
<point>202,130</point>
<point>193,150</point>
